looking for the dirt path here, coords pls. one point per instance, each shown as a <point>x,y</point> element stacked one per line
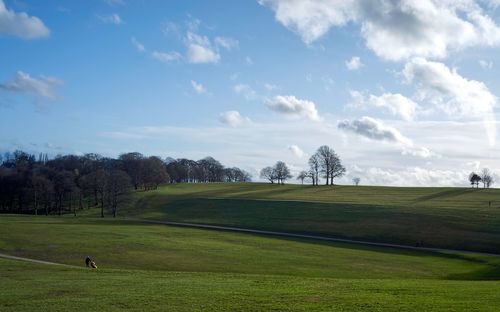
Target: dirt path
<point>35,261</point>
<point>314,237</point>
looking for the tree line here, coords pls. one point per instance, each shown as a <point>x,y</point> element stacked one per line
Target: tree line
<point>324,163</point>
<point>68,183</point>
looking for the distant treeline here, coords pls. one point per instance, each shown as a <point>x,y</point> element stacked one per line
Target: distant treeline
<point>42,185</point>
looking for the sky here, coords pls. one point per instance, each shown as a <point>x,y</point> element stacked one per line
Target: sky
<point>405,92</point>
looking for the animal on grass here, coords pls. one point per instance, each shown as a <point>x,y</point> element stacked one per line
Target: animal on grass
<point>90,263</point>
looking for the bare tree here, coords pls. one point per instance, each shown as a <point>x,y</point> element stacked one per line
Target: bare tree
<point>133,164</point>
<point>153,172</point>
<point>282,172</point>
<point>314,165</point>
<point>302,176</point>
<point>329,163</point>
<point>117,184</point>
<point>356,180</point>
<point>486,178</point>
<point>268,174</point>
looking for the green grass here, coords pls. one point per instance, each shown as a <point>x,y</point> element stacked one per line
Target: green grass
<point>32,287</point>
<point>150,267</point>
<point>454,218</point>
<point>155,267</point>
<point>122,244</point>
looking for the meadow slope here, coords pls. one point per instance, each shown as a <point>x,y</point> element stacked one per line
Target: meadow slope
<point>454,218</point>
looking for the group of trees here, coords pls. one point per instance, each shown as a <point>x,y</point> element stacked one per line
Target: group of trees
<point>30,184</point>
<point>484,177</point>
<point>325,163</point>
<point>203,171</point>
<point>278,173</point>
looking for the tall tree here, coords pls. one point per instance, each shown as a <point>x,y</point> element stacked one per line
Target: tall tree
<point>314,168</point>
<point>133,166</point>
<point>117,185</point>
<point>486,177</point>
<point>268,174</point>
<point>282,172</point>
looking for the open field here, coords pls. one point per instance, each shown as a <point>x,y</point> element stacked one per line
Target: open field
<point>29,287</point>
<point>144,266</point>
<point>156,267</point>
<point>454,218</point>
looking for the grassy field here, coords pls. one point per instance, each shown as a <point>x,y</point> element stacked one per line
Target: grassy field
<point>32,287</point>
<point>156,267</point>
<point>144,266</point>
<point>454,218</point>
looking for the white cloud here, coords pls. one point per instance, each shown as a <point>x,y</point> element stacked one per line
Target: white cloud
<point>414,176</point>
<point>296,151</point>
<point>246,91</point>
<point>486,64</point>
<point>111,19</point>
<point>309,18</point>
<point>139,46</point>
<point>248,60</point>
<point>166,57</point>
<point>452,93</point>
<point>376,130</point>
<point>291,106</point>
<point>394,30</point>
<point>226,43</point>
<point>43,87</point>
<point>198,87</point>
<point>354,63</point>
<point>397,104</point>
<point>270,87</point>
<point>200,49</point>
<point>233,118</point>
<point>21,24</point>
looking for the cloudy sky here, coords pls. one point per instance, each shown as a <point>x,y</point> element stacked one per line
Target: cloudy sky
<point>406,92</point>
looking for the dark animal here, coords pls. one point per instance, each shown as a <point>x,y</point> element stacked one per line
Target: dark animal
<point>90,263</point>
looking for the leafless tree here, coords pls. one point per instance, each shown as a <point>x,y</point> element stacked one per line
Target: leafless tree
<point>486,178</point>
<point>314,168</point>
<point>281,172</point>
<point>302,176</point>
<point>356,180</point>
<point>268,174</point>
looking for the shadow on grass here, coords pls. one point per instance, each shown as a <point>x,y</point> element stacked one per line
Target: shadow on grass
<point>443,194</point>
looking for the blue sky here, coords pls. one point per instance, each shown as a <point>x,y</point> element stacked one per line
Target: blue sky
<point>404,91</point>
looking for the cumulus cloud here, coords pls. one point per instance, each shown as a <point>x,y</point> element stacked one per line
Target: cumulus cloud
<point>166,57</point>
<point>200,49</point>
<point>233,118</point>
<point>291,106</point>
<point>452,93</point>
<point>20,24</point>
<point>110,19</point>
<point>376,130</point>
<point>394,30</point>
<point>395,103</point>
<point>354,63</point>
<point>139,46</point>
<point>297,151</point>
<point>246,91</point>
<point>43,87</point>
<point>198,87</point>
